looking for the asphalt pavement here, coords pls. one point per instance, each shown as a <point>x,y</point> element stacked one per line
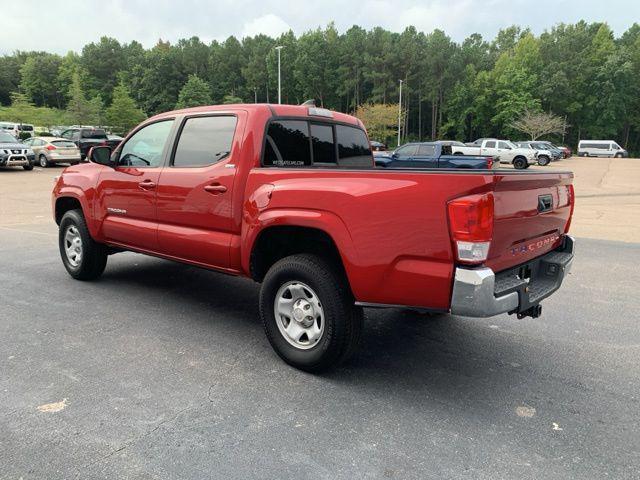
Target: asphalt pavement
<point>160,370</point>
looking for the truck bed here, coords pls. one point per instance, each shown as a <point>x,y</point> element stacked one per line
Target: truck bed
<point>396,245</point>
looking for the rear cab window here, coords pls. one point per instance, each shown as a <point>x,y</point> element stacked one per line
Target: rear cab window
<point>63,144</point>
<point>304,143</point>
<point>96,133</point>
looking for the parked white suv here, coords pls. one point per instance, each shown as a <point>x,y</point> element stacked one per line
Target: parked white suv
<point>504,150</point>
<point>601,148</point>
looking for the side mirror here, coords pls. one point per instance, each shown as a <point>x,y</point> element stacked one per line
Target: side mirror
<point>394,155</point>
<point>100,155</point>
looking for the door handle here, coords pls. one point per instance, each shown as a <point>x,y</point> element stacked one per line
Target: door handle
<point>147,185</point>
<point>215,189</point>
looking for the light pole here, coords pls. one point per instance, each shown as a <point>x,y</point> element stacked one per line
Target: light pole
<point>279,81</point>
<point>399,112</point>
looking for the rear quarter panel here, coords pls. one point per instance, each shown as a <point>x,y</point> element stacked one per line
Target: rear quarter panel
<point>390,226</point>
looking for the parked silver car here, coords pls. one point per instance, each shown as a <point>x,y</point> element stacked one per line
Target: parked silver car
<point>50,150</point>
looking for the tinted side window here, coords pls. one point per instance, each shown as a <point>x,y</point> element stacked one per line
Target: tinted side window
<point>145,147</point>
<point>287,144</point>
<point>204,141</point>
<point>324,148</point>
<point>490,145</point>
<point>407,150</point>
<point>353,147</point>
<point>428,150</point>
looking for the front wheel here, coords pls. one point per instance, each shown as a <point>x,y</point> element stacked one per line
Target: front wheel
<point>520,163</point>
<point>28,167</point>
<point>83,257</point>
<point>618,155</point>
<point>308,313</point>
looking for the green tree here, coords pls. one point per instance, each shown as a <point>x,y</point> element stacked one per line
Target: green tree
<point>102,62</point>
<point>195,92</point>
<point>123,114</point>
<point>80,110</point>
<point>381,120</point>
<point>39,75</point>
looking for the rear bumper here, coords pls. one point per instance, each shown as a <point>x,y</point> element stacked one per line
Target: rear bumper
<point>479,292</point>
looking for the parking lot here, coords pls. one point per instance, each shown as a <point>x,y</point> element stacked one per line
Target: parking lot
<point>161,370</point>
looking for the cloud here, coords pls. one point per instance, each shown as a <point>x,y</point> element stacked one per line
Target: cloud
<point>84,21</point>
<point>269,24</point>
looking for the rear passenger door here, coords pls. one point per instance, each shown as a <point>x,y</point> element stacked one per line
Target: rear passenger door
<point>194,202</point>
<point>426,157</point>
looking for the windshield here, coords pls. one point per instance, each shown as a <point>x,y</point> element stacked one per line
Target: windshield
<point>6,138</point>
<point>25,128</point>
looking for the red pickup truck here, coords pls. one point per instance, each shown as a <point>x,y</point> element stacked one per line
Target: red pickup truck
<point>289,196</point>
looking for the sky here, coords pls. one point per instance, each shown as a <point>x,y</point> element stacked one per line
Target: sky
<point>43,25</point>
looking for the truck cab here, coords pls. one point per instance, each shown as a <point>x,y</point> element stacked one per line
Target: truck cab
<point>504,150</point>
<point>431,155</point>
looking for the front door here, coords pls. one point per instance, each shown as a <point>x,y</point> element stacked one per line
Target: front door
<point>126,194</point>
<point>195,205</point>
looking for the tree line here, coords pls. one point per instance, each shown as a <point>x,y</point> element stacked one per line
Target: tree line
<point>579,72</point>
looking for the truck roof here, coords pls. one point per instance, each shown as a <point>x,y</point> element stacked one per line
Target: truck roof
<point>275,110</point>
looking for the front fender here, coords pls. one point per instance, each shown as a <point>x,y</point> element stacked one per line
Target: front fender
<point>63,190</point>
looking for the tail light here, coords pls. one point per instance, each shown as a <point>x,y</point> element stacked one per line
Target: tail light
<point>572,202</point>
<point>51,147</point>
<point>471,225</point>
<point>489,163</point>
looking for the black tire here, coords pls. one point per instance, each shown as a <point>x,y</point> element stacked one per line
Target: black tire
<point>42,161</point>
<point>543,160</point>
<point>94,255</point>
<point>618,155</point>
<point>520,163</point>
<point>343,320</point>
<point>28,167</point>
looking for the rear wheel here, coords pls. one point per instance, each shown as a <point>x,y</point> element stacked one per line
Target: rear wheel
<point>308,313</point>
<point>42,160</point>
<point>520,163</point>
<point>543,160</point>
<point>84,258</point>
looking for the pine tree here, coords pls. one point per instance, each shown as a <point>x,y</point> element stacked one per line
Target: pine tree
<point>123,114</point>
<point>194,93</point>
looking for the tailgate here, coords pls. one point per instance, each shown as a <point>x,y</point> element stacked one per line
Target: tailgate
<point>532,212</point>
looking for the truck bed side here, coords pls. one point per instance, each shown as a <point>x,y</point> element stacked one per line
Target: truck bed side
<point>391,226</point>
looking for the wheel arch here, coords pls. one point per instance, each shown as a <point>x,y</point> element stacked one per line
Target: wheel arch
<point>280,233</point>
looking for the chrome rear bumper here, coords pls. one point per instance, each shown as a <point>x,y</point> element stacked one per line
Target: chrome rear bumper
<point>479,292</point>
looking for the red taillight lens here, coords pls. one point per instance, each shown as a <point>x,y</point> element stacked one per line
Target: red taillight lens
<point>471,225</point>
<point>489,163</point>
<point>572,202</point>
<point>51,147</point>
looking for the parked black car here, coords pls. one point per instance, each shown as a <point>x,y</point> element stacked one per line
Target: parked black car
<point>85,138</point>
<point>431,155</point>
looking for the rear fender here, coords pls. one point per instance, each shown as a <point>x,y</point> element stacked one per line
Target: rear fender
<point>325,221</point>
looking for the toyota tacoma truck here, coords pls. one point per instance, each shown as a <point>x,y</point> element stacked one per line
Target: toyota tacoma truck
<point>430,155</point>
<point>504,150</point>
<point>289,197</point>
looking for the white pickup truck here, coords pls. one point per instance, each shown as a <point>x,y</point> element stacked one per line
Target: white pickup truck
<point>503,150</point>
